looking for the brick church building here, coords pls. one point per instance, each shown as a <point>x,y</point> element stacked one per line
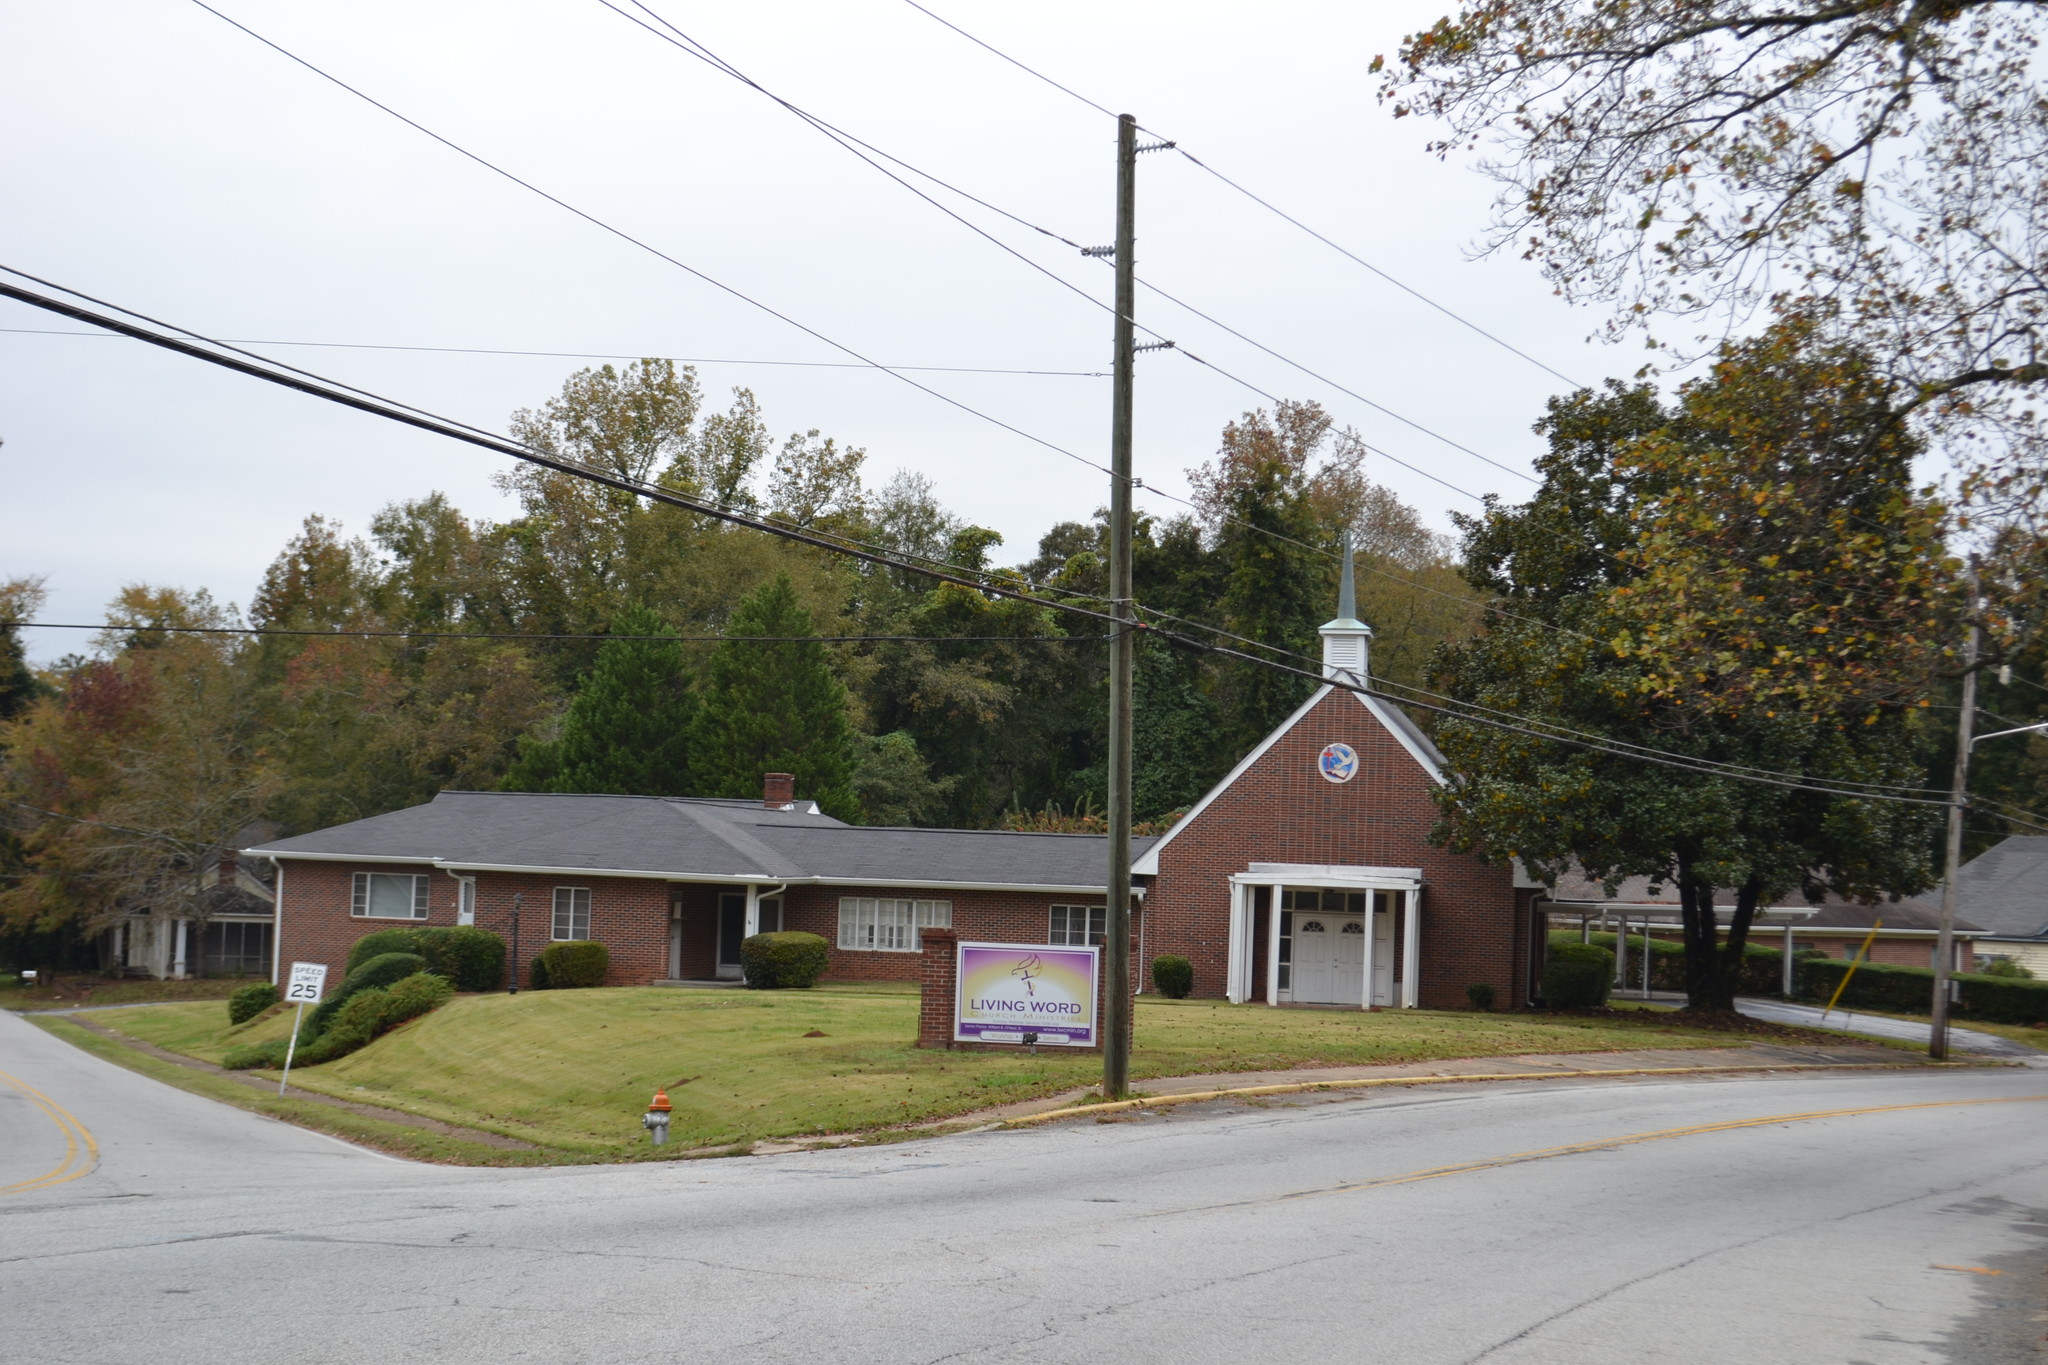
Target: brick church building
<point>1305,876</point>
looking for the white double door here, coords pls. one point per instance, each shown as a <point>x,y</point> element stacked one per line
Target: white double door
<point>1329,957</point>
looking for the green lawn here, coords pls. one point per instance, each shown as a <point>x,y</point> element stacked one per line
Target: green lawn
<point>573,1070</point>
<point>71,990</point>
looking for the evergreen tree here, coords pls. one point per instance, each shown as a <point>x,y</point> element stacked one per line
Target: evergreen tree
<point>775,707</point>
<point>628,729</point>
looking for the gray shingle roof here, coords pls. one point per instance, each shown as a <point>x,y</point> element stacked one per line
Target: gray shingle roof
<point>2005,888</point>
<point>1575,889</point>
<point>696,838</point>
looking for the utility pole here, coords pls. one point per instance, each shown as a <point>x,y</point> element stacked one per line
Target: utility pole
<point>1959,795</point>
<point>1116,985</point>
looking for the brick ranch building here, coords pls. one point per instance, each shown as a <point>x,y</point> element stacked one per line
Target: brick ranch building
<point>1305,876</point>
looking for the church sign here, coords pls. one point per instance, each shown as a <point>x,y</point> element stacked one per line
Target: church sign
<point>1026,993</point>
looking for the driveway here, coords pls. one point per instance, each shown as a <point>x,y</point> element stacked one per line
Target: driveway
<point>1961,1040</point>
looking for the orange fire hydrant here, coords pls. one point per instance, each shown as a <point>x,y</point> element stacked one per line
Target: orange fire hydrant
<point>655,1120</point>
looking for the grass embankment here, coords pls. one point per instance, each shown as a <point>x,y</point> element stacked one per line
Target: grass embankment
<point>402,1139</point>
<point>2032,1035</point>
<point>72,991</point>
<point>573,1070</point>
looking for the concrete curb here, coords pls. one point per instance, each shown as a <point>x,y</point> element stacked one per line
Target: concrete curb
<point>1376,1082</point>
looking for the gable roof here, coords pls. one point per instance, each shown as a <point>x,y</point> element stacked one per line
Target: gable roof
<point>2005,888</point>
<point>1576,891</point>
<point>1396,721</point>
<point>698,839</point>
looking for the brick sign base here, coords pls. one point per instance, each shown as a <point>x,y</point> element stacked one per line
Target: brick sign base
<point>939,989</point>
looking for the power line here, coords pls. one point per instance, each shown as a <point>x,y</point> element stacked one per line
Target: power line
<point>603,355</point>
<point>1262,203</point>
<point>623,235</point>
<point>144,628</point>
<point>1011,60</point>
<point>685,43</point>
<point>627,237</point>
<point>992,585</point>
<point>956,403</point>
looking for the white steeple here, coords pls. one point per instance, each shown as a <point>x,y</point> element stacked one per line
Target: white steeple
<point>1347,641</point>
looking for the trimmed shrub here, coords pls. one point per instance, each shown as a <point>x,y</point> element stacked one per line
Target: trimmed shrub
<point>1577,976</point>
<point>1480,995</point>
<point>366,1016</point>
<point>381,942</point>
<point>269,1054</point>
<point>2006,967</point>
<point>1173,975</point>
<point>1910,990</point>
<point>2003,999</point>
<point>380,970</point>
<point>250,1001</point>
<point>537,975</point>
<point>790,960</point>
<point>566,966</point>
<point>472,959</point>
<point>1761,972</point>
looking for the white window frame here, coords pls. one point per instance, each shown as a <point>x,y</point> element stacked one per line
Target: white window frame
<point>885,924</point>
<point>1094,922</point>
<point>359,895</point>
<point>465,900</point>
<point>572,907</point>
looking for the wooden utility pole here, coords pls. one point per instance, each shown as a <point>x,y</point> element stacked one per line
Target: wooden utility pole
<point>1959,795</point>
<point>1116,984</point>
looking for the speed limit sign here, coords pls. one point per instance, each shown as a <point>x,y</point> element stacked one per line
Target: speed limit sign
<point>307,984</point>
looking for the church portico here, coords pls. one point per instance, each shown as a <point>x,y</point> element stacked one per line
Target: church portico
<point>1326,931</point>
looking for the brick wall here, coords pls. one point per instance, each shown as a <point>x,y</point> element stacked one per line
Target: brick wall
<point>630,916</point>
<point>990,916</point>
<point>1474,924</point>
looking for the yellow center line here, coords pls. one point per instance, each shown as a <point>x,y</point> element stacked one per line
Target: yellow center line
<point>1599,1145</point>
<point>81,1152</point>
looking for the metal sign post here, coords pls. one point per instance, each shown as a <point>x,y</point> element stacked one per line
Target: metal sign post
<point>308,982</point>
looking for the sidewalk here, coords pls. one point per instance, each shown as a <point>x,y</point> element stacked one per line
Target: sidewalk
<point>1750,1057</point>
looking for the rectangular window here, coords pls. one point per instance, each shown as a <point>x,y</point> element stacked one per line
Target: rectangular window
<point>572,912</point>
<point>868,924</point>
<point>465,900</point>
<point>1078,925</point>
<point>388,895</point>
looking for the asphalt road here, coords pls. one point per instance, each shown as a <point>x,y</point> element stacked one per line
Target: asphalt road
<point>1436,1224</point>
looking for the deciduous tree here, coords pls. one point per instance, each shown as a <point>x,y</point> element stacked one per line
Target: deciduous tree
<point>1579,576</point>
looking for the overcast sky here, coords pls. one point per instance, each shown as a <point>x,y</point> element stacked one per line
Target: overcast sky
<point>161,159</point>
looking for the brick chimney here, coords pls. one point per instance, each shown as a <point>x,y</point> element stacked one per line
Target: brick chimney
<point>778,791</point>
<point>227,868</point>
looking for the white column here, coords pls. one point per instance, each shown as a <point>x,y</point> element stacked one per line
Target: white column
<point>1372,915</point>
<point>1273,946</point>
<point>1234,971</point>
<point>1785,967</point>
<point>277,926</point>
<point>178,957</point>
<point>1411,947</point>
<point>1621,954</point>
<point>753,918</point>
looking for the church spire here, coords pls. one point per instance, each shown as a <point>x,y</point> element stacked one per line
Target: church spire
<point>1347,641</point>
